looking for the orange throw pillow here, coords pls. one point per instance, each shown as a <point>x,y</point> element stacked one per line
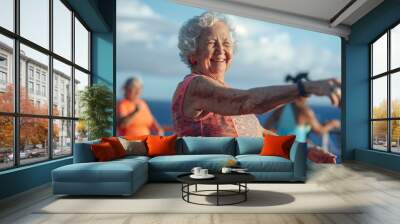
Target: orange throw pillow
<point>116,145</point>
<point>135,137</point>
<point>277,145</point>
<point>103,152</point>
<point>161,145</point>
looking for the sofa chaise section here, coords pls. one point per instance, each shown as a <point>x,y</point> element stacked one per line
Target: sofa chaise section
<point>87,177</point>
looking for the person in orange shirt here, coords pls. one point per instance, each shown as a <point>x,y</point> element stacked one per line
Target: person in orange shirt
<point>134,117</point>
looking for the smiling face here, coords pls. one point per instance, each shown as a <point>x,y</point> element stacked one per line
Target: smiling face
<point>214,52</point>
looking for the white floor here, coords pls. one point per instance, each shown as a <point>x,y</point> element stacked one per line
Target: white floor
<point>377,189</point>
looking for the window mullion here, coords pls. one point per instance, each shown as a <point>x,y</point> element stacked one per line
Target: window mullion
<point>73,82</point>
<point>389,106</point>
<point>16,84</point>
<point>50,81</point>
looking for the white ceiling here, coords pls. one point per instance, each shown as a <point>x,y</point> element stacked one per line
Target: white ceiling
<point>326,16</point>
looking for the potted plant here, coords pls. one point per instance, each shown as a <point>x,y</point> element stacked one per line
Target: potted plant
<point>96,103</point>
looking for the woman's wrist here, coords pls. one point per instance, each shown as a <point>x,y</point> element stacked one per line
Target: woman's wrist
<point>309,87</point>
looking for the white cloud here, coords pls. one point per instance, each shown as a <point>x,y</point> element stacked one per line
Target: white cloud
<point>134,9</point>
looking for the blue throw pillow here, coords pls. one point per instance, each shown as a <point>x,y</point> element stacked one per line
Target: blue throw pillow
<point>249,145</point>
<point>207,145</point>
<point>83,153</point>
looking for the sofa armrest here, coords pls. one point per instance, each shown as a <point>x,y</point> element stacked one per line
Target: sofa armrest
<point>298,155</point>
<point>83,152</point>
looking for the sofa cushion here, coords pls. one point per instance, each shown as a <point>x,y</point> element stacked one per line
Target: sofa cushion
<point>116,145</point>
<point>83,152</point>
<point>277,145</point>
<point>257,163</point>
<point>103,152</point>
<point>134,147</point>
<point>161,145</point>
<point>111,171</point>
<point>185,163</point>
<point>249,145</point>
<point>206,145</point>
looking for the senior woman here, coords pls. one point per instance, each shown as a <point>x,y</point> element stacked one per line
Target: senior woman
<point>203,105</point>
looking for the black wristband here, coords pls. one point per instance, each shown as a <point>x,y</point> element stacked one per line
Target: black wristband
<point>302,89</point>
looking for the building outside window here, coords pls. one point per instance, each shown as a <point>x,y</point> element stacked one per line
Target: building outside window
<point>37,75</point>
<point>3,61</point>
<point>44,77</point>
<point>3,78</point>
<point>34,80</point>
<point>30,87</point>
<point>385,94</point>
<point>43,90</point>
<point>3,72</point>
<point>30,72</point>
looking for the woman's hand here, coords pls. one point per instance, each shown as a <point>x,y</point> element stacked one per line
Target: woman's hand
<point>334,124</point>
<point>327,87</point>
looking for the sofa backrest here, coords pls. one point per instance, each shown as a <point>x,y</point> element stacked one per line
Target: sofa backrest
<point>83,152</point>
<point>249,145</point>
<point>206,145</point>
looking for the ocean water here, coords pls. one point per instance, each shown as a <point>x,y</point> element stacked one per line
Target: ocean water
<point>162,112</point>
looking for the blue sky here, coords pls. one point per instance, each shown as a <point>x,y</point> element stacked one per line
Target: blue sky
<point>147,37</point>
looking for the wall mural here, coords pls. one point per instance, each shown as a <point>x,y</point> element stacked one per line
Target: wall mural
<point>190,72</point>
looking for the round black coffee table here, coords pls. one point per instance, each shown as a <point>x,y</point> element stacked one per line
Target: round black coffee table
<point>238,179</point>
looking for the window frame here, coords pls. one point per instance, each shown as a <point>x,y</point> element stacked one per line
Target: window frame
<point>16,114</point>
<point>388,74</point>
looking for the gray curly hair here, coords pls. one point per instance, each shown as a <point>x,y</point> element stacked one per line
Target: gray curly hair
<point>191,30</point>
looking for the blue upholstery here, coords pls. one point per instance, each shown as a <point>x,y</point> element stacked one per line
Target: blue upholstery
<point>83,152</point>
<point>298,155</point>
<point>257,163</point>
<point>184,163</point>
<point>207,145</point>
<point>273,176</point>
<point>249,145</point>
<point>126,175</point>
<point>119,177</point>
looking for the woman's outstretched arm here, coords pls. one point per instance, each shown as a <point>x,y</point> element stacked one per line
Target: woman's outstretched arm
<point>206,94</point>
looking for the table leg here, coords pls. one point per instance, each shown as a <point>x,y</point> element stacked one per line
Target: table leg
<point>217,194</point>
<point>245,193</point>
<point>196,188</point>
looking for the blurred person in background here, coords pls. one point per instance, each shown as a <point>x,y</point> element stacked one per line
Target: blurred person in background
<point>298,118</point>
<point>134,117</point>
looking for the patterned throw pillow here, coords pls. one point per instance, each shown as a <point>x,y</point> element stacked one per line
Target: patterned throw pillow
<point>133,147</point>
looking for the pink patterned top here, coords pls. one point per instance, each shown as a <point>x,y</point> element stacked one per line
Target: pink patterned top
<point>210,124</point>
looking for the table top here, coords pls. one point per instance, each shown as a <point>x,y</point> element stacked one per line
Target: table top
<point>220,178</point>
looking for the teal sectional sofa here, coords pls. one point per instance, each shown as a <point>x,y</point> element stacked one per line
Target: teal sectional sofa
<point>125,176</point>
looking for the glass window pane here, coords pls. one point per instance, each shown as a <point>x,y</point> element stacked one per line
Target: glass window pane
<point>379,97</point>
<point>33,140</point>
<point>379,135</point>
<point>62,29</point>
<point>6,74</point>
<point>62,138</point>
<point>81,131</point>
<point>7,14</point>
<point>62,89</point>
<point>81,81</point>
<point>81,45</point>
<point>379,55</point>
<point>395,135</point>
<point>34,97</point>
<point>395,94</point>
<point>395,47</point>
<point>35,21</point>
<point>6,142</point>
